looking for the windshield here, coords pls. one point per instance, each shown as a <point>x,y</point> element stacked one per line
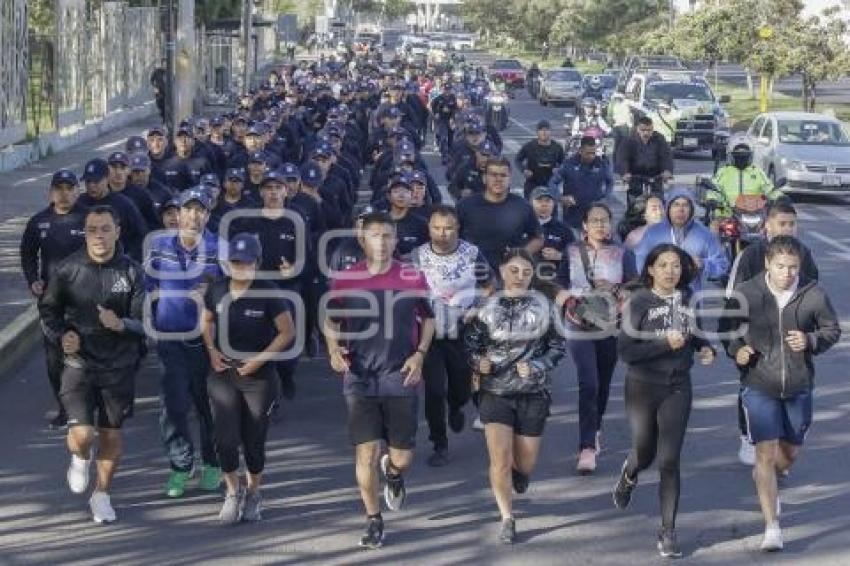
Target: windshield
<point>418,45</point>
<point>574,76</point>
<point>678,91</point>
<point>506,64</point>
<point>812,132</point>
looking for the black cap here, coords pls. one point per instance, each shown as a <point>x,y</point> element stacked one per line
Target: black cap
<point>64,176</point>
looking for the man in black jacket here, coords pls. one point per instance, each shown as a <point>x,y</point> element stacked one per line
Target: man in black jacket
<point>539,158</point>
<point>780,322</point>
<point>50,236</point>
<point>93,306</point>
<point>645,154</point>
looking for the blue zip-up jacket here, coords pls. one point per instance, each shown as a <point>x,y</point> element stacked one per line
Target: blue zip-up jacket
<point>586,183</point>
<point>171,268</point>
<point>696,240</point>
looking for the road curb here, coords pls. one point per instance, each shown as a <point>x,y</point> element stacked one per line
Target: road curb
<point>17,339</point>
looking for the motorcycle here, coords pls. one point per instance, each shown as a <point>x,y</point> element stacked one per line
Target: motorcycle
<point>592,131</point>
<point>744,226</point>
<point>496,107</point>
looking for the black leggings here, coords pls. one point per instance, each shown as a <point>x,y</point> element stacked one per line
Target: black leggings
<point>447,381</point>
<point>241,407</point>
<point>659,418</point>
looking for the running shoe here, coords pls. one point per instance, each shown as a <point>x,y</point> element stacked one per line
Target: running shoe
<point>772,540</point>
<point>667,545</point>
<point>477,424</point>
<point>78,474</point>
<point>439,458</point>
<point>210,478</point>
<point>101,507</point>
<point>507,533</point>
<point>59,422</point>
<point>457,420</point>
<point>520,481</point>
<point>623,489</point>
<point>252,507</point>
<point>230,513</point>
<point>394,490</point>
<point>586,461</point>
<point>374,536</point>
<point>176,484</point>
<point>747,452</point>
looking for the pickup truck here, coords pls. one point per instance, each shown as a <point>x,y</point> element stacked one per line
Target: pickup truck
<point>682,106</point>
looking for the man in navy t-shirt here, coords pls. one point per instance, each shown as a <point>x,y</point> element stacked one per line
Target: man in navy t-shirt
<point>381,357</point>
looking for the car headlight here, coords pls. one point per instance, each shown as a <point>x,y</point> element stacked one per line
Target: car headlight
<point>793,164</point>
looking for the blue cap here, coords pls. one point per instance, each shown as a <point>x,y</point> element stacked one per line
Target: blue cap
<point>311,174</point>
<point>235,173</point>
<point>272,176</point>
<point>290,172</point>
<point>257,157</point>
<point>399,181</point>
<point>118,158</point>
<point>488,148</point>
<point>170,203</point>
<point>185,129</point>
<point>216,121</point>
<point>195,194</point>
<point>322,150</point>
<point>418,177</point>
<point>156,131</point>
<point>210,179</point>
<point>140,162</point>
<point>95,170</point>
<point>256,129</point>
<point>542,191</point>
<point>244,247</point>
<point>64,176</point>
<point>474,127</point>
<point>136,143</point>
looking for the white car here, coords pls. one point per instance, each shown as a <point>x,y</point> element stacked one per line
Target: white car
<point>811,152</point>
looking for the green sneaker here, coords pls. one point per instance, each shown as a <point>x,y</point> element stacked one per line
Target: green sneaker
<point>210,478</point>
<point>176,484</point>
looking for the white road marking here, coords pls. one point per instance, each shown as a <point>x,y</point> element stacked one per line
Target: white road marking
<point>523,126</point>
<point>839,250</point>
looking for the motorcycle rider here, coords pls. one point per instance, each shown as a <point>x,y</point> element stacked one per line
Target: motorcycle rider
<point>539,158</point>
<point>533,77</point>
<point>589,117</point>
<point>741,177</point>
<point>644,154</point>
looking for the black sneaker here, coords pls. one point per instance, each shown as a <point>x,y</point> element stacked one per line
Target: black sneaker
<point>520,481</point>
<point>507,533</point>
<point>439,458</point>
<point>59,422</point>
<point>374,536</point>
<point>457,420</point>
<point>623,489</point>
<point>667,545</point>
<point>394,490</point>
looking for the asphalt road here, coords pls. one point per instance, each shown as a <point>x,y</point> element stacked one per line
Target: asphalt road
<point>314,516</point>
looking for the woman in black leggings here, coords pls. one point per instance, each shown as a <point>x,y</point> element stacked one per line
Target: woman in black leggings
<point>244,326</point>
<point>657,342</point>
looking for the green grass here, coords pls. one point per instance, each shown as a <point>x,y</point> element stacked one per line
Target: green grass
<point>743,108</point>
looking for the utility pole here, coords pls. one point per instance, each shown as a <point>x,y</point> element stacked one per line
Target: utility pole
<point>247,47</point>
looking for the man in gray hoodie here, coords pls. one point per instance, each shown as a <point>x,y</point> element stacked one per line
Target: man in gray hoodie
<point>780,321</point>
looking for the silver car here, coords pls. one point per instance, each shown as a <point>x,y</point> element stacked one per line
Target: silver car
<point>811,152</point>
<point>561,85</point>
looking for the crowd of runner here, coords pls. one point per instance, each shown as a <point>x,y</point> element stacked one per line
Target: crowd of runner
<point>306,222</point>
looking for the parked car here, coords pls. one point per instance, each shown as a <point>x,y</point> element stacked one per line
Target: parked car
<point>811,152</point>
<point>561,85</point>
<point>510,70</point>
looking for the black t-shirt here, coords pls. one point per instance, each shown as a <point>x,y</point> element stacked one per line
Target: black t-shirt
<point>277,237</point>
<point>412,231</point>
<point>250,324</point>
<point>493,227</point>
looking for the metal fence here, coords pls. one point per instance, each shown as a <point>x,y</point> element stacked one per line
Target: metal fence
<point>92,62</point>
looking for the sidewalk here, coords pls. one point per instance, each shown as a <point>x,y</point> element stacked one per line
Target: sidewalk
<point>23,192</point>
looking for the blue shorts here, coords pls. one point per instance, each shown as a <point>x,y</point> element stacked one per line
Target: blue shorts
<point>769,418</point>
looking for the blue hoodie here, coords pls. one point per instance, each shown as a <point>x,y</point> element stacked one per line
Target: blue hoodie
<point>695,239</point>
<point>587,183</point>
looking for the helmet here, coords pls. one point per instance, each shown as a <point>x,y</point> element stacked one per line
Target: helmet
<point>595,81</point>
<point>742,156</point>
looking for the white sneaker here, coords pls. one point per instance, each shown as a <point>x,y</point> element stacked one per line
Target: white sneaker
<point>101,507</point>
<point>78,474</point>
<point>747,452</point>
<point>772,540</point>
<point>477,424</point>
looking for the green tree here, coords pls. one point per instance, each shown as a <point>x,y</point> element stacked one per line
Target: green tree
<point>818,52</point>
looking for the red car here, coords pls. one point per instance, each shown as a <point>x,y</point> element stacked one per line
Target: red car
<point>509,70</point>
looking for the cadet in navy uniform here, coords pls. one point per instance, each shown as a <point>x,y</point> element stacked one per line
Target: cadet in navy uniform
<point>50,236</point>
<point>556,234</point>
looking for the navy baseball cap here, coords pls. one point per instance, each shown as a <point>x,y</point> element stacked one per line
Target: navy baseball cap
<point>140,162</point>
<point>185,129</point>
<point>256,129</point>
<point>322,150</point>
<point>235,173</point>
<point>136,143</point>
<point>257,157</point>
<point>216,121</point>
<point>544,125</point>
<point>541,192</point>
<point>272,176</point>
<point>488,148</point>
<point>244,247</point>
<point>170,203</point>
<point>156,131</point>
<point>399,181</point>
<point>311,175</point>
<point>64,176</point>
<point>418,177</point>
<point>474,127</point>
<point>290,172</point>
<point>95,170</point>
<point>118,158</point>
<point>195,194</point>
<point>210,179</point>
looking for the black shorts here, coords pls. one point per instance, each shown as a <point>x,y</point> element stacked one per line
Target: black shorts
<point>109,393</point>
<point>526,413</point>
<point>393,419</point>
